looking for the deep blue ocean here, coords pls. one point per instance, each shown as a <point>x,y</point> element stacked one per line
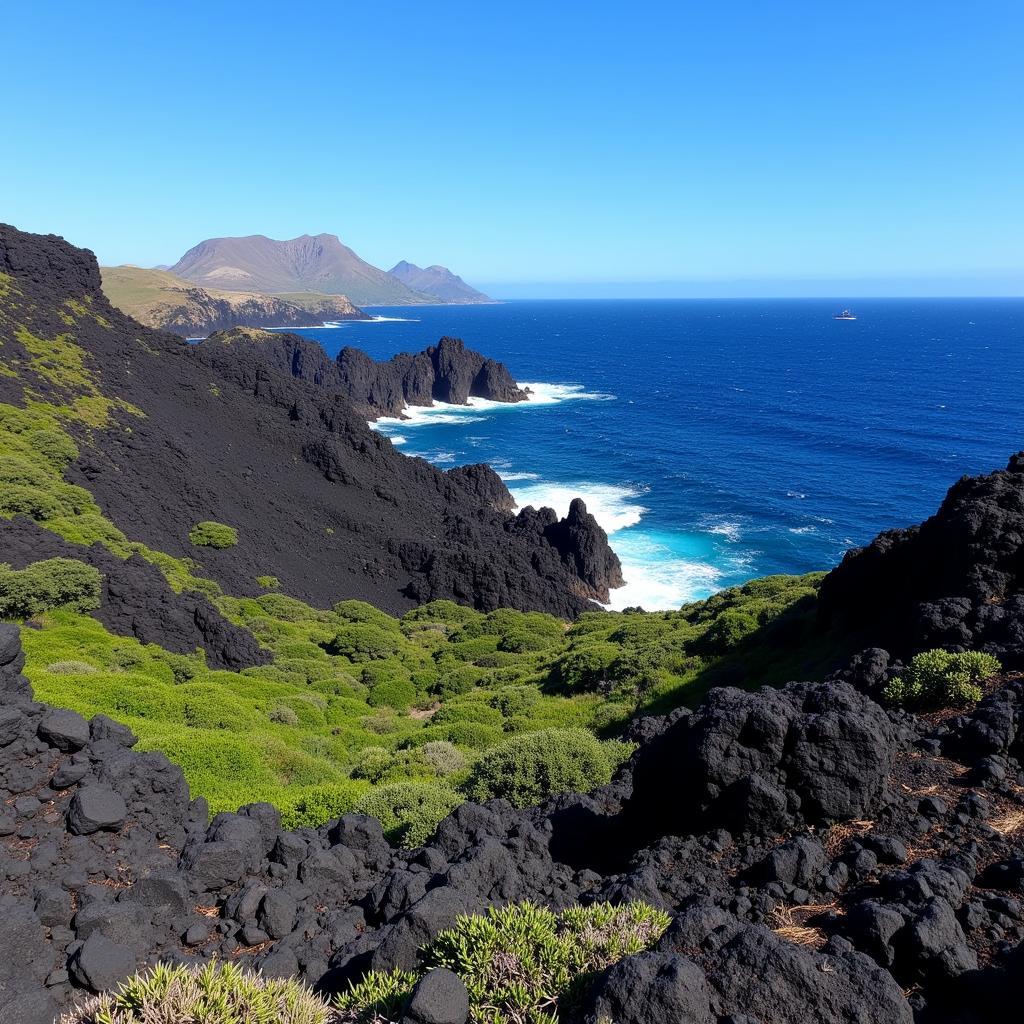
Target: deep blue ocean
<point>721,440</point>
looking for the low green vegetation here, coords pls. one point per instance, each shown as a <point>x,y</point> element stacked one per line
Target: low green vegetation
<point>218,993</point>
<point>521,964</point>
<point>939,678</point>
<point>213,535</point>
<point>399,718</point>
<point>42,586</point>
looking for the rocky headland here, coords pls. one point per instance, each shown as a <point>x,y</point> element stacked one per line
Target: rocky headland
<point>446,372</point>
<point>159,299</point>
<point>247,432</point>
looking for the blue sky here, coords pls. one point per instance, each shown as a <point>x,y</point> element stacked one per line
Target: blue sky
<point>536,148</point>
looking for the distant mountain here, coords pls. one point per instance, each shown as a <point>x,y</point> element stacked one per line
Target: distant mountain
<point>310,263</point>
<point>158,298</point>
<point>438,282</point>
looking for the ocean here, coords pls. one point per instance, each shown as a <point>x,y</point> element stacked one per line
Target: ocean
<point>717,440</point>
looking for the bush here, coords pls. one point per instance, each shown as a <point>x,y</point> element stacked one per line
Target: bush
<point>940,677</point>
<point>219,993</point>
<point>443,757</point>
<point>72,668</point>
<point>268,582</point>
<point>42,586</point>
<point>393,693</point>
<point>283,715</point>
<point>409,812</point>
<point>526,769</point>
<point>515,700</point>
<point>318,804</point>
<point>363,641</point>
<point>521,964</point>
<point>373,764</point>
<point>213,535</point>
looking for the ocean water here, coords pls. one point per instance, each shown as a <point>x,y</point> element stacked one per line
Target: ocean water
<point>721,440</point>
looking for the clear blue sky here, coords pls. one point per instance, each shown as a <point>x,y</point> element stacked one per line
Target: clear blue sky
<point>536,147</point>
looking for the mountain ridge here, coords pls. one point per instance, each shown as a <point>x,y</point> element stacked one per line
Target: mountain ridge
<point>307,263</point>
<point>439,281</point>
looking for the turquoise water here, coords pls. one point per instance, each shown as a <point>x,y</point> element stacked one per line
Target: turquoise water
<point>721,440</point>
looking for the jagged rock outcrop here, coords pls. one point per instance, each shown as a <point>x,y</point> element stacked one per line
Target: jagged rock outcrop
<point>956,581</point>
<point>110,866</point>
<point>446,372</point>
<point>256,436</point>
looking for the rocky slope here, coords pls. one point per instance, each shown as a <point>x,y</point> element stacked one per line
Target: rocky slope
<point>438,282</point>
<point>212,432</point>
<point>446,372</point>
<point>157,298</point>
<point>309,263</point>
<point>824,859</point>
<point>955,581</point>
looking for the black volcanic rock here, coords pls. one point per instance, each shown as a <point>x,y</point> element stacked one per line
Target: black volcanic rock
<point>955,581</point>
<point>484,484</point>
<point>121,863</point>
<point>446,372</point>
<point>258,434</point>
<point>136,600</point>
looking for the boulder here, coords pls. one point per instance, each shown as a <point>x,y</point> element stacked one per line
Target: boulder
<point>653,986</point>
<point>440,997</point>
<point>100,964</point>
<point>95,807</point>
<point>63,729</point>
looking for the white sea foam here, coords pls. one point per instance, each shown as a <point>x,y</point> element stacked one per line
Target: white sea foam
<point>389,320</point>
<point>658,576</point>
<point>800,530</point>
<point>731,531</point>
<point>615,508</point>
<point>551,394</point>
<point>511,477</point>
<point>663,586</point>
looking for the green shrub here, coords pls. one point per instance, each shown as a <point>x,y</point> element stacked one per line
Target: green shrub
<point>213,535</point>
<point>283,715</point>
<point>373,764</point>
<point>443,757</point>
<point>72,668</point>
<point>588,667</point>
<point>409,811</point>
<point>363,641</point>
<point>268,582</point>
<point>218,993</point>
<point>318,804</point>
<point>42,586</point>
<point>528,768</point>
<point>939,677</point>
<point>393,693</point>
<point>515,700</point>
<point>521,964</point>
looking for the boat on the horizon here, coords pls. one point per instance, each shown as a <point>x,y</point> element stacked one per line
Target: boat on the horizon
<point>844,315</point>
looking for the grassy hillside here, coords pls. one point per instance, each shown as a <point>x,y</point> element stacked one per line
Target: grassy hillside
<point>159,298</point>
<point>134,289</point>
